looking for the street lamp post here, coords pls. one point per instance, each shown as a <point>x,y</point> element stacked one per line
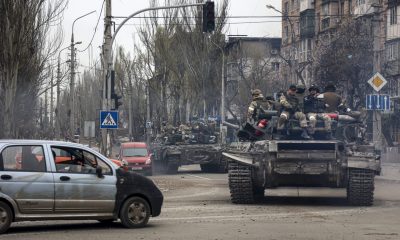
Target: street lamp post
<point>72,83</point>
<point>221,125</point>
<point>58,135</point>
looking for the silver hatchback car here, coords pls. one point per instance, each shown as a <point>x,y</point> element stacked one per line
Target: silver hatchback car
<point>44,180</point>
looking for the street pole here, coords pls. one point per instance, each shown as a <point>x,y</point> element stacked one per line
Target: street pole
<point>72,91</point>
<point>222,110</point>
<point>377,118</point>
<point>52,105</point>
<point>58,124</point>
<point>107,47</point>
<point>72,83</point>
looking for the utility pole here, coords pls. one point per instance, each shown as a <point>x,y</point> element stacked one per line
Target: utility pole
<point>105,133</point>
<point>377,118</point>
<point>51,105</point>
<point>72,90</point>
<point>148,125</point>
<point>58,135</point>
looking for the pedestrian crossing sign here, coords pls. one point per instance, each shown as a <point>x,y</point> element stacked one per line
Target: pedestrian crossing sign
<point>109,119</point>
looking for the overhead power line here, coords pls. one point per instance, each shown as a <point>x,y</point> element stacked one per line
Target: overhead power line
<point>95,29</point>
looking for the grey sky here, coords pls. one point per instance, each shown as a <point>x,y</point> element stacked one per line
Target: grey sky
<point>84,28</point>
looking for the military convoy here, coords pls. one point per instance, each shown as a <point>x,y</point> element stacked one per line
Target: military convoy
<point>194,146</point>
<point>265,159</point>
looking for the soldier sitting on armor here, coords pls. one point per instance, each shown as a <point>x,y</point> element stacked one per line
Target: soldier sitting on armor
<point>292,108</point>
<point>258,106</point>
<point>333,101</point>
<point>314,107</point>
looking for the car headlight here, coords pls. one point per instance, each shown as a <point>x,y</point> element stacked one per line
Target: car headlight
<point>148,161</point>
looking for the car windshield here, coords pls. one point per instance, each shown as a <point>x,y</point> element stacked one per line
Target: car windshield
<point>135,152</point>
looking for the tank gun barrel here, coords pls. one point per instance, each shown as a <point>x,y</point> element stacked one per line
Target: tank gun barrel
<point>231,125</point>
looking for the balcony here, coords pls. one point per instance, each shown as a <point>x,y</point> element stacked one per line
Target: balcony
<point>306,5</point>
<point>307,23</point>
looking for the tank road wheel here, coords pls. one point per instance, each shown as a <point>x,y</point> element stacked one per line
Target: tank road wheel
<point>135,212</point>
<point>360,188</point>
<point>240,183</point>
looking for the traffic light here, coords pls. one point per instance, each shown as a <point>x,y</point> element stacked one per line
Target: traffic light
<point>117,101</point>
<point>208,17</point>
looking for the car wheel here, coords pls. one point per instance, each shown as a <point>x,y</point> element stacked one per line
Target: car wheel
<point>135,212</point>
<point>5,217</point>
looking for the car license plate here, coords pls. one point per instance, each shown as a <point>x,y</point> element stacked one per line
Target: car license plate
<point>137,168</point>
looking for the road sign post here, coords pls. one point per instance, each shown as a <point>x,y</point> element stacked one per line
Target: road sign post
<point>377,103</point>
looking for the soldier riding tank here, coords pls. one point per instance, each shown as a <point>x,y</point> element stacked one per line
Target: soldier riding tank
<point>263,160</point>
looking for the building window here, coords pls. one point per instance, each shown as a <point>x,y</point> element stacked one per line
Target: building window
<point>392,51</point>
<point>286,9</point>
<point>325,10</point>
<point>275,66</point>
<point>305,50</point>
<point>360,2</point>
<point>393,15</point>
<point>325,23</point>
<point>286,32</point>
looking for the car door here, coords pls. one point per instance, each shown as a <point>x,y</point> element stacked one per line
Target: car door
<point>78,189</point>
<point>25,178</point>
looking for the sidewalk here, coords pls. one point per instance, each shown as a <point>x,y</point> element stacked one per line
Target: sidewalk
<point>390,171</point>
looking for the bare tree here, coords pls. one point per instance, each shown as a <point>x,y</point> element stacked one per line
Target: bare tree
<point>345,58</point>
<point>25,50</point>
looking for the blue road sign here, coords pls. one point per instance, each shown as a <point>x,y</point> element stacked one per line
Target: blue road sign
<point>109,119</point>
<point>377,102</point>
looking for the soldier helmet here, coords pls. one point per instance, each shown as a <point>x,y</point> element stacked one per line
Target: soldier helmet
<point>256,92</point>
<point>293,87</point>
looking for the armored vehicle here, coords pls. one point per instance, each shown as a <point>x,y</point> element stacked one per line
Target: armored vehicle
<point>263,159</point>
<point>179,149</point>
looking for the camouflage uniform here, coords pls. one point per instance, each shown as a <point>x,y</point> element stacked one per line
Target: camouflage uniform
<point>300,94</point>
<point>291,106</point>
<point>257,105</point>
<point>314,107</point>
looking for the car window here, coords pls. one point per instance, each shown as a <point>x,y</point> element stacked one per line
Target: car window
<point>134,152</point>
<point>76,160</point>
<point>29,158</point>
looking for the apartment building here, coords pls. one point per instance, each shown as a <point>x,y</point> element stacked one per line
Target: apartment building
<point>304,22</point>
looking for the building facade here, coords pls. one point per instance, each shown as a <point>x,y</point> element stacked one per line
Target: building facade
<point>306,22</point>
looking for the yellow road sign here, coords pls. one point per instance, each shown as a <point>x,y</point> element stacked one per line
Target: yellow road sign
<point>377,82</point>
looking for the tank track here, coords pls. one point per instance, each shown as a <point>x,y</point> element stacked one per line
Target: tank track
<point>240,183</point>
<point>360,189</point>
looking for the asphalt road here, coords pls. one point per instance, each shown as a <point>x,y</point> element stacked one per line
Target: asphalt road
<point>197,206</point>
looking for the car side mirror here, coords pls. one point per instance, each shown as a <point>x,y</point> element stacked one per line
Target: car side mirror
<point>99,172</point>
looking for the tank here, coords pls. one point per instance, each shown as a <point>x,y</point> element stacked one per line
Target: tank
<point>263,159</point>
<point>178,149</point>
